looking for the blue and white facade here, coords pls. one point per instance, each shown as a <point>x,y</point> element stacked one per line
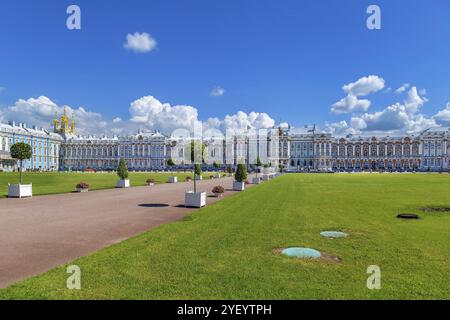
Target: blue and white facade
<point>143,151</point>
<point>45,147</point>
<point>296,149</point>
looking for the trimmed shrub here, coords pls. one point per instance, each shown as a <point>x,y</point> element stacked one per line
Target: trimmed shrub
<point>241,173</point>
<point>122,169</point>
<point>82,185</point>
<point>218,189</point>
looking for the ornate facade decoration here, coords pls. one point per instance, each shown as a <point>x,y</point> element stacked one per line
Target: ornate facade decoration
<point>64,126</point>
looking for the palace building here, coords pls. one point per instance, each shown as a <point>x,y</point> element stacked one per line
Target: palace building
<point>45,147</point>
<point>305,149</point>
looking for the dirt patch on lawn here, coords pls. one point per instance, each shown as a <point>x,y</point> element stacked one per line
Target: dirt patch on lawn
<point>330,258</point>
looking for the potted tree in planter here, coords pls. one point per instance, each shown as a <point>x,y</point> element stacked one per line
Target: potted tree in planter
<point>240,177</point>
<point>122,172</point>
<point>20,151</point>
<point>197,152</point>
<point>257,180</point>
<point>150,182</point>
<point>230,170</point>
<point>216,168</point>
<point>195,199</point>
<point>172,179</point>
<point>218,191</point>
<point>82,187</point>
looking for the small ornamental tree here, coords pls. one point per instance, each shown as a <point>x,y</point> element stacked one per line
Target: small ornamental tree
<point>122,169</point>
<point>241,173</point>
<point>196,148</point>
<point>170,163</point>
<point>230,169</point>
<point>197,173</point>
<point>21,151</point>
<point>216,166</point>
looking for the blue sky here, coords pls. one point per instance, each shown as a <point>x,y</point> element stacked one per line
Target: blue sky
<point>287,58</point>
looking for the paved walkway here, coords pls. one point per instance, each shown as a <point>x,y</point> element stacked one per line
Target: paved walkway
<point>40,233</point>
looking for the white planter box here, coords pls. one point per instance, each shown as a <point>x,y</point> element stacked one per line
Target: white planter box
<point>266,177</point>
<point>230,174</point>
<point>123,183</point>
<point>195,200</point>
<point>238,186</point>
<point>256,181</point>
<point>218,195</point>
<point>173,179</point>
<point>20,190</point>
<point>81,190</point>
<point>198,178</point>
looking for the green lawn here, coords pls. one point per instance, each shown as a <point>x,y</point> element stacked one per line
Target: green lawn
<point>58,182</point>
<point>225,251</point>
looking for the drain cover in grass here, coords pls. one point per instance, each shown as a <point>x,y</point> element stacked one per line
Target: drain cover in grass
<point>301,253</point>
<point>408,216</point>
<point>333,234</point>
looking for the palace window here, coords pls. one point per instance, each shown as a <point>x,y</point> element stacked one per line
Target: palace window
<point>373,150</point>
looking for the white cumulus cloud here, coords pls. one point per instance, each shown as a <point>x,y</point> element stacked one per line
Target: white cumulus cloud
<point>341,128</point>
<point>350,104</point>
<point>360,88</point>
<point>443,116</point>
<point>413,101</point>
<point>242,120</point>
<point>140,42</point>
<point>364,86</point>
<point>403,88</point>
<point>397,118</point>
<point>146,112</point>
<point>41,111</point>
<point>217,92</point>
<point>151,113</point>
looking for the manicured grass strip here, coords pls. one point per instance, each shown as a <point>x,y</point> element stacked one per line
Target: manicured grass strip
<point>225,251</point>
